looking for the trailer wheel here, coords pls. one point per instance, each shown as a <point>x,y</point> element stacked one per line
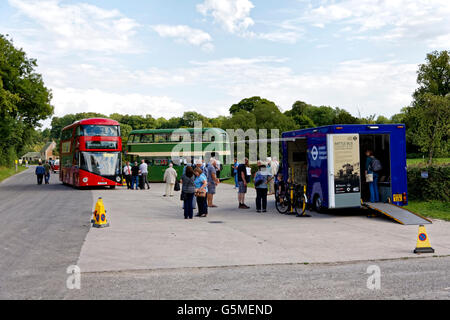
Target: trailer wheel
<point>318,206</point>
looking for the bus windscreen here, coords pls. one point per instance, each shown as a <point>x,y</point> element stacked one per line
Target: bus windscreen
<point>101,163</point>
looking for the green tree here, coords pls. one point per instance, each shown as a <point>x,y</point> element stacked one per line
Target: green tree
<point>429,114</point>
<point>248,104</point>
<point>298,114</point>
<point>189,118</point>
<point>344,117</point>
<point>321,116</point>
<point>434,75</point>
<point>431,117</point>
<point>24,101</point>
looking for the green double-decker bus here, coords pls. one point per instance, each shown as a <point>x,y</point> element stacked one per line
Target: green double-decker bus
<point>160,147</point>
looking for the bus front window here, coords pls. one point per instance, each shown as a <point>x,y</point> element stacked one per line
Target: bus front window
<point>101,163</point>
<point>100,131</point>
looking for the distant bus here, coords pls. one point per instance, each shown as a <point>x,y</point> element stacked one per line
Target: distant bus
<point>157,146</point>
<point>90,153</point>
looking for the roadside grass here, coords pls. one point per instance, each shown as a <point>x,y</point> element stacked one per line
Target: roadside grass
<point>8,172</point>
<point>420,161</point>
<point>432,209</point>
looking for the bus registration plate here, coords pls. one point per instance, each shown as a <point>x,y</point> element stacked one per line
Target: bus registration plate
<point>398,198</point>
<point>103,183</point>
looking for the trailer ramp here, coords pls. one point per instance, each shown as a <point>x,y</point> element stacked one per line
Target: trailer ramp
<point>399,214</point>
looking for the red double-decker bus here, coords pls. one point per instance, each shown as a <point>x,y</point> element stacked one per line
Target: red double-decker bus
<point>90,153</point>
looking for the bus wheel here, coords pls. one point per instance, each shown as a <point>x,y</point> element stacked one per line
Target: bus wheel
<point>318,206</point>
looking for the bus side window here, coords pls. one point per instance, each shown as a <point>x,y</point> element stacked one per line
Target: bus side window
<point>76,158</point>
<point>147,138</point>
<point>160,137</point>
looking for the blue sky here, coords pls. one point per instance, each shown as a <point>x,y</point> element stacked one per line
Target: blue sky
<point>166,57</point>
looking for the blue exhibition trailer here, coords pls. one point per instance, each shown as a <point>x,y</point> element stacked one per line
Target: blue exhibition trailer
<point>331,162</point>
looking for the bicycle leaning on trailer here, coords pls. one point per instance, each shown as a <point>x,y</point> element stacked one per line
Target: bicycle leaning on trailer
<point>293,200</point>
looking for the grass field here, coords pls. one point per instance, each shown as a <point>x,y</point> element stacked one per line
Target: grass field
<point>432,209</point>
<point>8,172</point>
<point>415,162</point>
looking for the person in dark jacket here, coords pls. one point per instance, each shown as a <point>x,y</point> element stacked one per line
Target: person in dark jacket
<point>188,191</point>
<point>373,185</point>
<point>40,172</point>
<point>47,168</point>
<point>135,176</point>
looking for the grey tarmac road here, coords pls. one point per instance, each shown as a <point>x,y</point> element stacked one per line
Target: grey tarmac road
<point>43,229</point>
<point>424,278</point>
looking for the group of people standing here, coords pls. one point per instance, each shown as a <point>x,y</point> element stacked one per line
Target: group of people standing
<point>199,184</point>
<point>263,180</point>
<point>136,176</point>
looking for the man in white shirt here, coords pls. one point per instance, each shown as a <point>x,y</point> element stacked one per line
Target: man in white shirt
<point>127,174</point>
<point>143,169</point>
<point>170,177</point>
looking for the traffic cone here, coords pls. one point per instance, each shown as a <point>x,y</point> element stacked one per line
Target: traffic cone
<point>100,220</point>
<point>97,208</point>
<point>124,183</point>
<point>423,243</point>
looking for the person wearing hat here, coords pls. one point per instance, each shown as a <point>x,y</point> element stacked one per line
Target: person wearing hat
<point>262,178</point>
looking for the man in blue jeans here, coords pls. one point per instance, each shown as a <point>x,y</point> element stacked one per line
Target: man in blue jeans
<point>373,186</point>
<point>40,172</point>
<point>135,176</point>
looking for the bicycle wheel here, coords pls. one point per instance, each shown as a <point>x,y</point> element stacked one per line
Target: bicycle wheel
<point>282,204</point>
<point>300,204</point>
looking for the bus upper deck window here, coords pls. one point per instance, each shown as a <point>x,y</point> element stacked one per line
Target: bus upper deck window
<point>147,138</point>
<point>100,131</point>
<point>160,137</point>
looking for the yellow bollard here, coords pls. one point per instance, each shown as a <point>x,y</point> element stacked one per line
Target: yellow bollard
<point>100,220</point>
<point>423,242</point>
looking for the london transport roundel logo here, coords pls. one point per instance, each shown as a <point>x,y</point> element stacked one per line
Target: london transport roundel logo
<point>85,180</point>
<point>315,153</point>
<point>118,179</point>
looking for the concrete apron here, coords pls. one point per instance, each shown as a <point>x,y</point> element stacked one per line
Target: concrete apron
<point>148,231</point>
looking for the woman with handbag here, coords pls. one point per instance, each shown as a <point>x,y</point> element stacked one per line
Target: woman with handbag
<point>187,192</point>
<point>201,190</point>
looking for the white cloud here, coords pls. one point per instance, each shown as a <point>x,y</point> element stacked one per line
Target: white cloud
<point>359,86</point>
<point>78,26</point>
<point>232,15</point>
<point>71,100</point>
<point>390,20</point>
<point>290,37</point>
<point>186,34</point>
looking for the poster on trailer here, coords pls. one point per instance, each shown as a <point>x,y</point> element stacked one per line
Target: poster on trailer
<point>346,164</point>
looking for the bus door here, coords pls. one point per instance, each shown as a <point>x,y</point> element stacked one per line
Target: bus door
<point>344,171</point>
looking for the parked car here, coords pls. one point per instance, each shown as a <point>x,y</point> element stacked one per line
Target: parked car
<point>56,166</point>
